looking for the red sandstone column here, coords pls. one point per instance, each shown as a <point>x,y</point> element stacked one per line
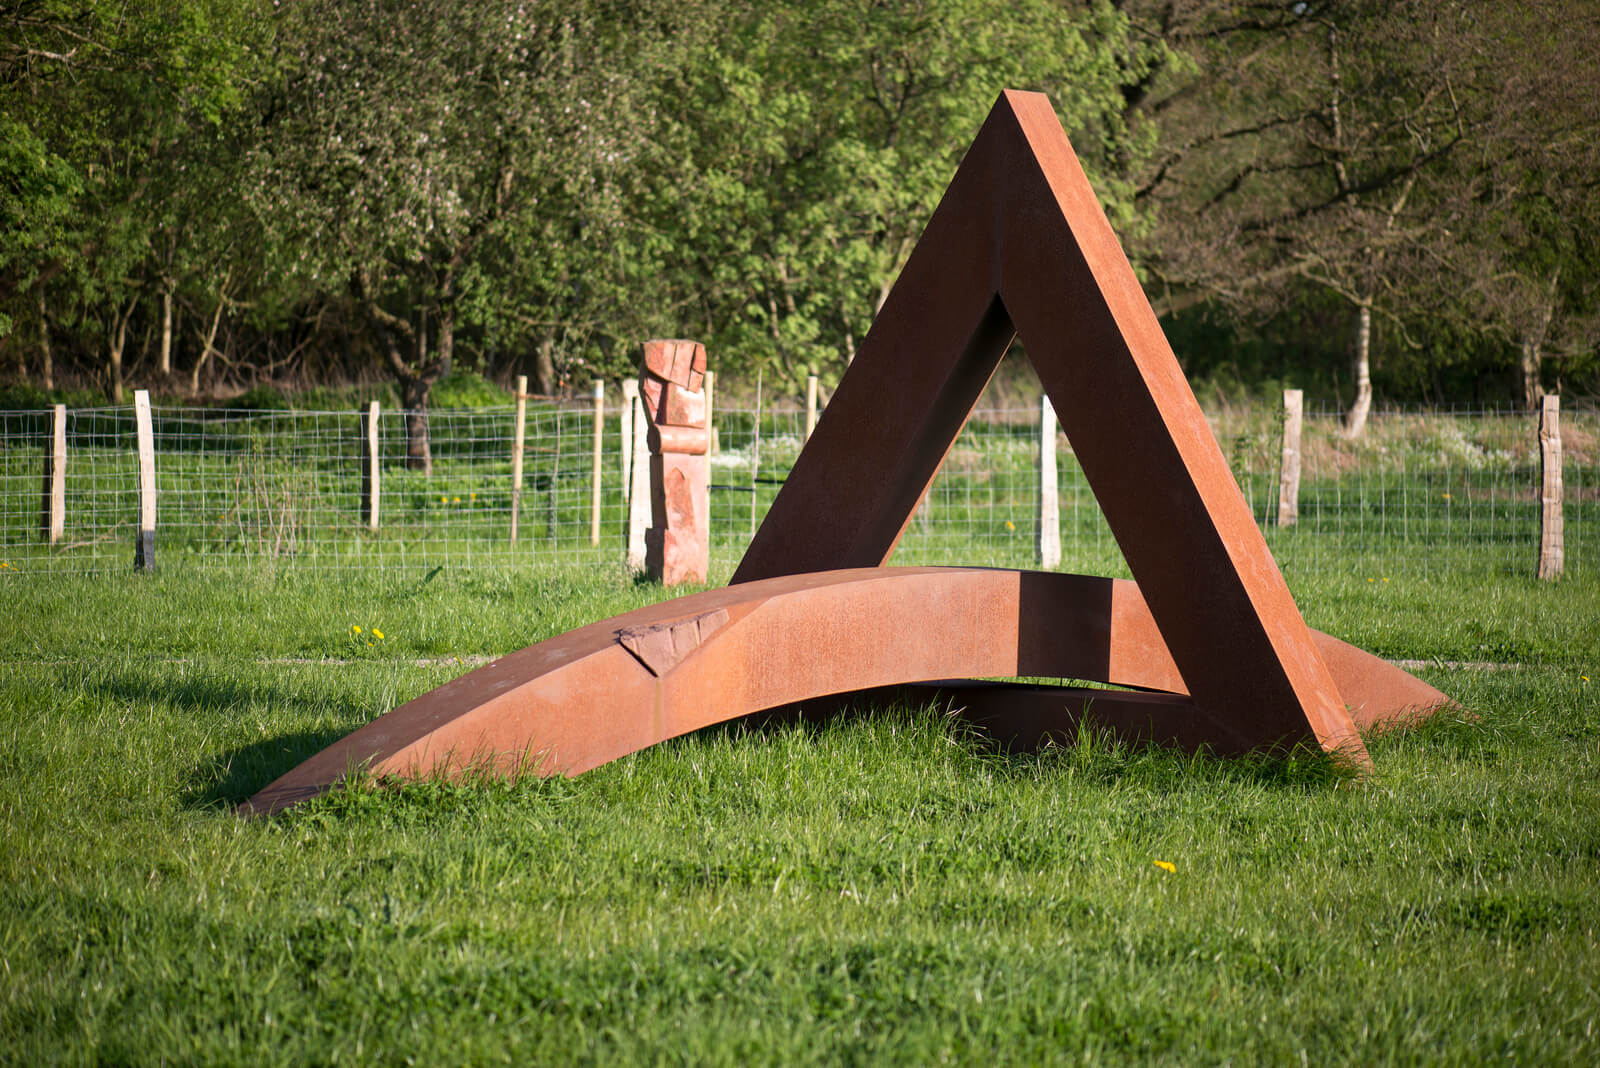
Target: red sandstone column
<point>677,546</point>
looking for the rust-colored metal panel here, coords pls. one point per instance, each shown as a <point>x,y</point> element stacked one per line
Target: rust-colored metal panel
<point>593,694</point>
<point>1020,244</point>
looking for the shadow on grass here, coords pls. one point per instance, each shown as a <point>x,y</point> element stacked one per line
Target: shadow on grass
<point>193,691</point>
<point>1094,753</point>
<point>232,776</point>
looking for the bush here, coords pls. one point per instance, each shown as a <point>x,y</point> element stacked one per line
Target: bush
<point>32,398</point>
<point>467,389</point>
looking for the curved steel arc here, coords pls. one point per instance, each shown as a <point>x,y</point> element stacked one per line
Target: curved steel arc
<point>591,695</point>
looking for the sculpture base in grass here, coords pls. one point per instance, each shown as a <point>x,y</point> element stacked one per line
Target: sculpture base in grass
<point>591,695</point>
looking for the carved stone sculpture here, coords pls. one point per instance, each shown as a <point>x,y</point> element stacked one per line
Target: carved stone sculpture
<point>672,386</point>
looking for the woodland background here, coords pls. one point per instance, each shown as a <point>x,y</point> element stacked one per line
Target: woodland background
<point>209,197</point>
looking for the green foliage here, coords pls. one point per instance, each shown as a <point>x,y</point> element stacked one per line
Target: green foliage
<point>448,165</point>
<point>26,398</point>
<point>37,189</point>
<point>112,116</point>
<point>463,389</point>
<point>799,164</point>
<point>312,190</point>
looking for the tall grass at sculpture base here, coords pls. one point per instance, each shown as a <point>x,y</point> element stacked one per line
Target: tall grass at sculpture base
<point>883,888</point>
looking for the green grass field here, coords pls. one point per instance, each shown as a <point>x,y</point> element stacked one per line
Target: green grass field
<point>882,888</point>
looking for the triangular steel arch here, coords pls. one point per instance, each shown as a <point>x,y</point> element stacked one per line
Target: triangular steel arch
<point>1020,246</point>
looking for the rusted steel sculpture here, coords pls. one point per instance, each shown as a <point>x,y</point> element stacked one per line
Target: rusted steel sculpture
<point>677,546</point>
<point>1018,246</point>
<point>611,688</point>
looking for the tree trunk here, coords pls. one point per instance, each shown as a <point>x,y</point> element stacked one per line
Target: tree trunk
<point>115,345</point>
<point>446,345</point>
<point>544,366</point>
<point>166,331</point>
<point>414,389</point>
<point>1532,390</point>
<point>209,338</point>
<point>208,345</point>
<point>47,366</point>
<point>1532,347</point>
<point>1355,420</point>
<point>115,392</point>
<point>403,345</point>
<point>414,399</point>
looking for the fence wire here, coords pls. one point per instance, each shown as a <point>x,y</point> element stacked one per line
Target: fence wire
<point>1423,493</point>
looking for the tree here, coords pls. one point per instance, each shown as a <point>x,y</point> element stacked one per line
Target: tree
<point>98,102</point>
<point>802,155</point>
<point>1524,216</point>
<point>1318,136</point>
<point>409,149</point>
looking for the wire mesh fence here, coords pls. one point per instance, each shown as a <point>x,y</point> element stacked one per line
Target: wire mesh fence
<point>1431,493</point>
<point>1423,492</point>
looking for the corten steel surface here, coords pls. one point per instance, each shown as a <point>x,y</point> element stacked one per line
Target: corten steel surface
<point>591,695</point>
<point>1019,246</point>
<point>677,546</point>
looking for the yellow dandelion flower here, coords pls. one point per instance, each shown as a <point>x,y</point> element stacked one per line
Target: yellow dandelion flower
<point>369,645</point>
<point>1166,865</point>
<point>378,634</point>
<point>1010,525</point>
<point>1585,678</point>
<point>1386,580</point>
<point>1446,496</point>
<point>455,500</point>
<point>444,500</point>
<point>1369,580</point>
<point>355,628</point>
<point>474,496</point>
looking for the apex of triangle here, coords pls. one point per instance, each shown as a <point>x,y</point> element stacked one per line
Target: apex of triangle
<point>1002,258</point>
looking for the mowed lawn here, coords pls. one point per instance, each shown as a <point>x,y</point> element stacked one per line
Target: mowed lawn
<point>879,889</point>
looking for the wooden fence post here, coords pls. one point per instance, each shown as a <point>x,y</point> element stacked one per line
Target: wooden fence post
<point>370,457</point>
<point>552,483</point>
<point>711,423</point>
<point>755,458</point>
<point>811,405</point>
<point>1552,546</point>
<point>53,496</point>
<point>630,393</point>
<point>639,487</point>
<point>144,549</point>
<point>1049,526</point>
<point>597,467</point>
<point>517,436</point>
<point>1289,465</point>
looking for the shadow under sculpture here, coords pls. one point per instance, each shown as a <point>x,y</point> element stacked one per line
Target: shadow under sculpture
<point>1018,246</point>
